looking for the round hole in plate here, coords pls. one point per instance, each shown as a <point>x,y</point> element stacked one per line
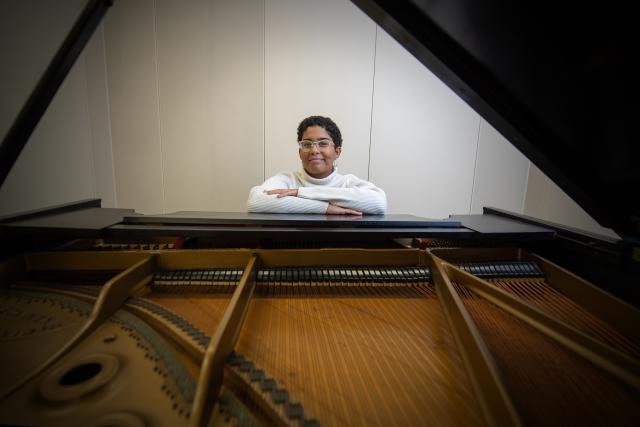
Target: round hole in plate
<point>81,373</point>
<point>78,377</point>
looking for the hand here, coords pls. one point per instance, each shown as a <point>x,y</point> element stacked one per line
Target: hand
<point>283,192</point>
<point>337,210</point>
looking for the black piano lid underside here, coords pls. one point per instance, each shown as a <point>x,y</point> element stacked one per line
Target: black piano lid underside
<point>558,82</point>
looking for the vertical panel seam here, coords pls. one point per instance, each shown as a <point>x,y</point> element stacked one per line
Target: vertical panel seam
<point>373,87</point>
<point>89,125</point>
<point>106,89</point>
<point>526,187</point>
<point>158,109</point>
<point>475,165</point>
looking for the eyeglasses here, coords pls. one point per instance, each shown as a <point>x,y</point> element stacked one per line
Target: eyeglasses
<point>321,144</point>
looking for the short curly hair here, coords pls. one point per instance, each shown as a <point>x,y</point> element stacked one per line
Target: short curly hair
<point>323,122</point>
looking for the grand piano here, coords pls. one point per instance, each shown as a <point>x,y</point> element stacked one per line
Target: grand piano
<point>108,317</point>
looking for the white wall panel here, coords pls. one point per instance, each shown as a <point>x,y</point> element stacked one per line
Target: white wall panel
<point>98,103</point>
<point>134,108</point>
<point>424,137</point>
<point>237,101</point>
<point>184,60</point>
<point>318,61</point>
<point>186,105</point>
<point>210,90</point>
<point>501,173</point>
<point>545,200</point>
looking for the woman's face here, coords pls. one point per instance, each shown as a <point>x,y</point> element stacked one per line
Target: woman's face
<point>318,162</point>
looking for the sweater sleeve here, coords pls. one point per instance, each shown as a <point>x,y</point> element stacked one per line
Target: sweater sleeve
<point>260,202</point>
<point>359,194</point>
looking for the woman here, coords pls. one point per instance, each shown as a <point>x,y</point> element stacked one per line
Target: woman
<point>318,188</point>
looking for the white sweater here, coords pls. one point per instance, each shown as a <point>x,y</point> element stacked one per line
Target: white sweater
<point>315,194</point>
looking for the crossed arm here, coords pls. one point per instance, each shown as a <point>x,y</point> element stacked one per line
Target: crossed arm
<point>275,196</point>
<point>331,209</point>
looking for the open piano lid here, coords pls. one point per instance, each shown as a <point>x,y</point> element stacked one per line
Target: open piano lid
<point>557,82</point>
